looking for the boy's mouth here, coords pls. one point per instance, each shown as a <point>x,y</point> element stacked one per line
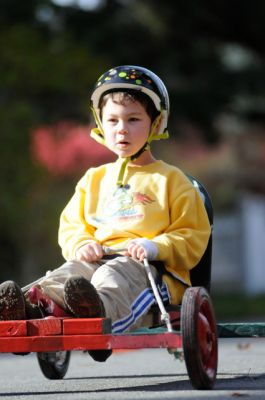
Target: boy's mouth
<point>122,143</point>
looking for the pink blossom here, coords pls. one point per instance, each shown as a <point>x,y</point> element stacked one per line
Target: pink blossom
<point>65,148</point>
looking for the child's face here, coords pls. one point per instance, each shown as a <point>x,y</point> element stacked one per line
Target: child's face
<point>126,127</point>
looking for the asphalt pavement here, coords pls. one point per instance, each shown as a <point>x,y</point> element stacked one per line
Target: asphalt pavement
<point>142,375</point>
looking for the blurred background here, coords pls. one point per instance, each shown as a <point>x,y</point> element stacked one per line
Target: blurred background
<point>210,54</point>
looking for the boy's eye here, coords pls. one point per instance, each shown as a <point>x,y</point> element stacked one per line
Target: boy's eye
<point>134,119</point>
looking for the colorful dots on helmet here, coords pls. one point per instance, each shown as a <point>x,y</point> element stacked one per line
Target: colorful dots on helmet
<point>123,76</point>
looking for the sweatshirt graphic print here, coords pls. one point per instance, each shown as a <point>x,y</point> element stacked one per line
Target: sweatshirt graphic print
<point>122,205</point>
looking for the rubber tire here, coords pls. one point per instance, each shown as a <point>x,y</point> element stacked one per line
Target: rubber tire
<point>199,337</point>
<point>54,365</point>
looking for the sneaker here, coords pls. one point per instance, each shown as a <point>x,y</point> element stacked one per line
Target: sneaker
<point>83,301</point>
<point>12,303</point>
<point>37,302</point>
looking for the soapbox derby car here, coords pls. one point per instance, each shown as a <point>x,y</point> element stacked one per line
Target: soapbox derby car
<point>189,330</point>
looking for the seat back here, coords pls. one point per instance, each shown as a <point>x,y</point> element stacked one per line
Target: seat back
<point>201,274</point>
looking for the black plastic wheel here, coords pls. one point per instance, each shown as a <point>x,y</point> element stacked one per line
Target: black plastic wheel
<point>54,365</point>
<point>199,337</point>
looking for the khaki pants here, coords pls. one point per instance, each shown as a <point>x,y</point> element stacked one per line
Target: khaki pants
<point>121,283</point>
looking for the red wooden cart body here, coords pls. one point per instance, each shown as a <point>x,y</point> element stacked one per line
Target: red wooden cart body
<point>58,334</point>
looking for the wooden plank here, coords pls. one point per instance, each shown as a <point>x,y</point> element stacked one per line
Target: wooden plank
<point>13,328</point>
<point>88,342</point>
<point>125,341</point>
<point>53,343</point>
<point>44,327</point>
<point>162,340</point>
<point>81,326</point>
<point>55,326</point>
<point>30,344</point>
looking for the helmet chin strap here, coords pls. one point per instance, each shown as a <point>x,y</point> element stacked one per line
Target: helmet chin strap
<point>126,160</point>
<point>98,135</point>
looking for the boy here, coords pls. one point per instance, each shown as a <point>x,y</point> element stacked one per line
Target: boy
<point>138,204</point>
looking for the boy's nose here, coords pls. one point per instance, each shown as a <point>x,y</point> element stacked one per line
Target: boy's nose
<point>123,131</point>
<point>122,128</point>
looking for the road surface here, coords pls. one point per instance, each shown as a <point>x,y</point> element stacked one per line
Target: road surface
<point>142,375</point>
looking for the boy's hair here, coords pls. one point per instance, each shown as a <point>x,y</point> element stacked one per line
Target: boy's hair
<point>121,97</point>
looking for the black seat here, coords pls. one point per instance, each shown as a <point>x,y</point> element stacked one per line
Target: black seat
<point>201,274</point>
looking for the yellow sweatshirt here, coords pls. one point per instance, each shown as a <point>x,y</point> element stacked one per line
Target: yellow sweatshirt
<point>157,202</point>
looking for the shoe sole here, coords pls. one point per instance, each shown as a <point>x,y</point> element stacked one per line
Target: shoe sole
<point>12,303</point>
<point>82,298</point>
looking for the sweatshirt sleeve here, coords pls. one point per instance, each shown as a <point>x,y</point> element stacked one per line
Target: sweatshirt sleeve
<point>74,231</point>
<point>183,243</point>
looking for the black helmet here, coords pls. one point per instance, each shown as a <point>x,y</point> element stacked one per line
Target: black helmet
<point>137,78</point>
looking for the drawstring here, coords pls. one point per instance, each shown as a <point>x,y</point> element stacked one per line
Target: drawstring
<point>119,182</point>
